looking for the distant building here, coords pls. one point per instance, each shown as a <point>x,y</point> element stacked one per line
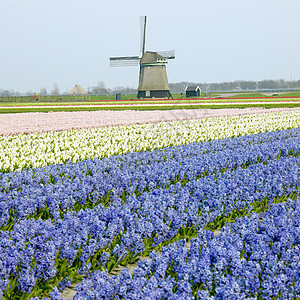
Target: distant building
<point>192,91</point>
<point>77,90</point>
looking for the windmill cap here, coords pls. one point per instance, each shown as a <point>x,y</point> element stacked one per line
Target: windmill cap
<point>150,57</point>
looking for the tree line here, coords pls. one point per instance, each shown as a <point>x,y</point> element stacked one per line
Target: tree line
<point>240,85</point>
<point>179,87</point>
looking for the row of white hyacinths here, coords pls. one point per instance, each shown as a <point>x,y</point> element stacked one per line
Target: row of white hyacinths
<point>36,150</point>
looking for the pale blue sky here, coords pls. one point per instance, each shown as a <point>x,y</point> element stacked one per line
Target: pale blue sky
<point>67,42</point>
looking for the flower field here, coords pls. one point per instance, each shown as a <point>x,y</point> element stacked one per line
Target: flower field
<point>38,122</point>
<point>213,205</point>
<point>42,149</point>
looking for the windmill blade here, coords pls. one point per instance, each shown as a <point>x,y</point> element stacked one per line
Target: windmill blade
<point>143,20</point>
<point>169,54</point>
<point>124,61</point>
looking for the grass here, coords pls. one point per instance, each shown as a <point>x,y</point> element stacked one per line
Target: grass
<point>57,99</point>
<point>62,99</point>
<point>67,103</point>
<point>144,108</point>
<point>146,101</point>
<point>291,94</point>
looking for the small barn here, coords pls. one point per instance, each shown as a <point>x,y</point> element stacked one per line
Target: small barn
<point>77,90</point>
<point>192,91</point>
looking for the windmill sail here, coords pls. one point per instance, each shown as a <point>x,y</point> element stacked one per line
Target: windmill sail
<point>153,81</point>
<point>143,20</point>
<point>124,61</point>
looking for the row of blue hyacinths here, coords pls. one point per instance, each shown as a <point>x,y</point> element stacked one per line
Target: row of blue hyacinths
<point>80,222</point>
<point>257,257</point>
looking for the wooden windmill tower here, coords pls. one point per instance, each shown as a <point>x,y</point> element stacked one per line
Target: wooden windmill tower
<point>153,81</point>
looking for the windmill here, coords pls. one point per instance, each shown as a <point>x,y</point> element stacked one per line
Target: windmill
<point>153,81</point>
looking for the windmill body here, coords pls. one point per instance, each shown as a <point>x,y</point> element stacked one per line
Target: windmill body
<point>153,81</point>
